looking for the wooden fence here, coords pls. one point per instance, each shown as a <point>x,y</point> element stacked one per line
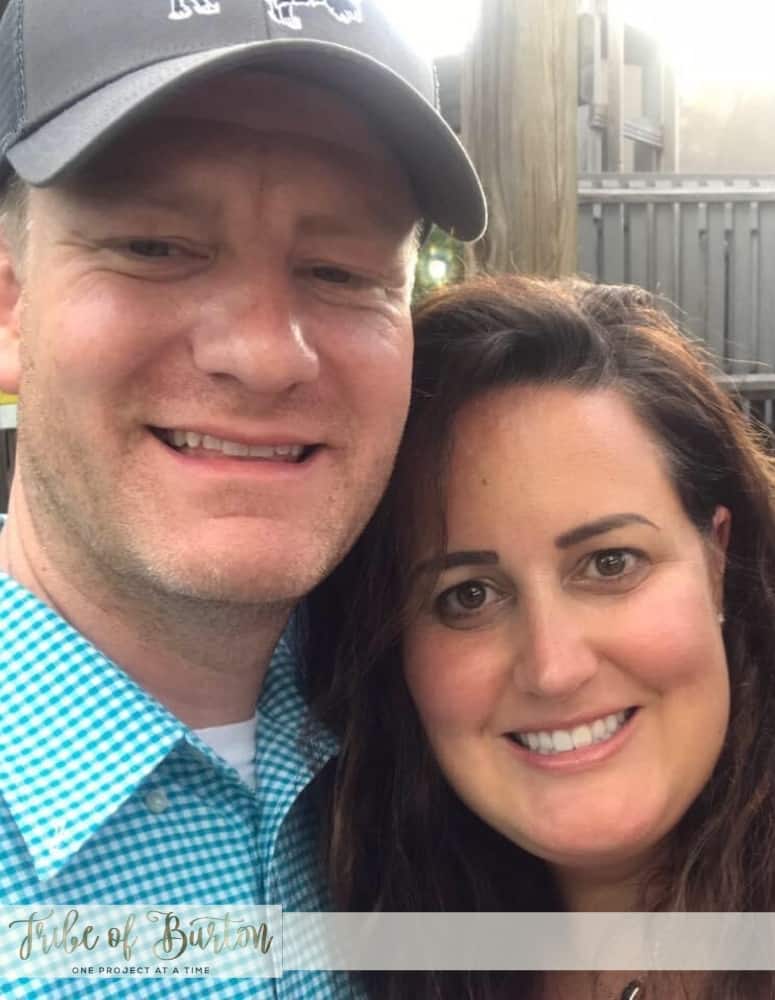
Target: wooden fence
<point>756,396</point>
<point>705,243</point>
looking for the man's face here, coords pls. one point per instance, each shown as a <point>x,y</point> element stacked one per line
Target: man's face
<point>216,344</point>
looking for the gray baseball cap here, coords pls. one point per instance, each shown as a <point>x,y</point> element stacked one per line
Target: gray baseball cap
<point>74,73</point>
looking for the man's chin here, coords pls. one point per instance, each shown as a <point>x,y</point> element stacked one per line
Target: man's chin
<point>232,578</point>
<point>219,587</point>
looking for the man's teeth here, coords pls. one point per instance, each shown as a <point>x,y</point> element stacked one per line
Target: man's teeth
<point>563,740</point>
<point>190,439</point>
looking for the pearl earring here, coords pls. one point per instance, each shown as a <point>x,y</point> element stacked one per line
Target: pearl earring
<point>721,618</point>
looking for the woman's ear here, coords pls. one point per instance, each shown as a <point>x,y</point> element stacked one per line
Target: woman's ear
<point>721,526</point>
<point>10,320</point>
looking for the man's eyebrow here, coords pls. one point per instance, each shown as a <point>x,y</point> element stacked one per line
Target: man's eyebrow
<point>599,527</point>
<point>177,201</point>
<point>465,557</point>
<point>337,226</point>
<point>184,202</point>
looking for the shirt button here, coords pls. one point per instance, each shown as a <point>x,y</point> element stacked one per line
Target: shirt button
<point>56,846</point>
<point>156,800</point>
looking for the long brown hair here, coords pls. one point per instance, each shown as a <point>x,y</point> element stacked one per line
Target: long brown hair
<point>399,839</point>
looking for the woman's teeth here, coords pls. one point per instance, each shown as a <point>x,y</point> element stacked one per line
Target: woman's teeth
<point>564,740</point>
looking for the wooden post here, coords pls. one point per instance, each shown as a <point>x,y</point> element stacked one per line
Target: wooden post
<point>649,158</point>
<point>614,154</point>
<point>519,122</point>
<point>591,86</point>
<point>671,117</point>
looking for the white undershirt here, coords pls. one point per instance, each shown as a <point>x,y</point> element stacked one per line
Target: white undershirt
<point>236,743</point>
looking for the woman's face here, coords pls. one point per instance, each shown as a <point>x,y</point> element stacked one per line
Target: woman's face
<point>568,667</point>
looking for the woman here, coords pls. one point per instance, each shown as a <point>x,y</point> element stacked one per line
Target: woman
<point>552,649</point>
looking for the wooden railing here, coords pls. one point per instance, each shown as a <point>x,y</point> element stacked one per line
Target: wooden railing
<point>705,243</point>
<point>756,394</point>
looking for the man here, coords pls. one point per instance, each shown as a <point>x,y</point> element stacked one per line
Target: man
<point>211,219</point>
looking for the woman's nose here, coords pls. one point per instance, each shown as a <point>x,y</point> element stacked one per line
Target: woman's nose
<point>555,655</point>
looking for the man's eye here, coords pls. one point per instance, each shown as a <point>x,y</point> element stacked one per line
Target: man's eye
<point>465,600</point>
<point>611,564</point>
<point>151,248</point>
<point>334,275</point>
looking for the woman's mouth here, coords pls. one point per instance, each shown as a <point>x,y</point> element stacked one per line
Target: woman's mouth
<point>558,741</point>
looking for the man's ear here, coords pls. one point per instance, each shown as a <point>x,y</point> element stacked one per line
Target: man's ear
<point>10,320</point>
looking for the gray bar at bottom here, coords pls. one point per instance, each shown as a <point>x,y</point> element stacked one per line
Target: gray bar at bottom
<point>522,941</point>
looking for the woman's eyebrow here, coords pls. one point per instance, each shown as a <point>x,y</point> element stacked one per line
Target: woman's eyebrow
<point>489,557</point>
<point>599,527</point>
<point>465,557</point>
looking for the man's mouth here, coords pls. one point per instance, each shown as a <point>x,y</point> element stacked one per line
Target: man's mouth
<point>194,443</point>
<point>564,740</point>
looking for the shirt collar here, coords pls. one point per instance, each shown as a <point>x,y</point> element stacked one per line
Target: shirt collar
<point>78,736</point>
<point>283,702</point>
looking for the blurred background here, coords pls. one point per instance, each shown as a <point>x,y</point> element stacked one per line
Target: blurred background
<point>629,140</point>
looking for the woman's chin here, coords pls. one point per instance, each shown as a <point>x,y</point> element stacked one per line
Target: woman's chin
<point>623,846</point>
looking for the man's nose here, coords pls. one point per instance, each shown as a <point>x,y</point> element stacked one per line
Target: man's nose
<point>556,653</point>
<point>258,337</point>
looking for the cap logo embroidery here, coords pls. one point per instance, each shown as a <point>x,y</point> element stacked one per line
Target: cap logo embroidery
<point>284,11</point>
<point>181,9</point>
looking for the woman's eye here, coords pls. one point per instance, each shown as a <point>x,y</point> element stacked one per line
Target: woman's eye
<point>465,600</point>
<point>611,564</point>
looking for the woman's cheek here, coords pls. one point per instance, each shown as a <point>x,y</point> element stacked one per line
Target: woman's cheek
<point>455,678</point>
<point>669,639</point>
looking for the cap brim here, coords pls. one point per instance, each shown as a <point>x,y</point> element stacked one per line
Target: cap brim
<point>445,182</point>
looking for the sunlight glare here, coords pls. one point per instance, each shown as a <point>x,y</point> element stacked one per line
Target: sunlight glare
<point>711,41</point>
<point>440,27</point>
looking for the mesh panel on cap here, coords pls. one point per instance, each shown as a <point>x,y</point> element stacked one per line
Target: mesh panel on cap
<point>10,98</point>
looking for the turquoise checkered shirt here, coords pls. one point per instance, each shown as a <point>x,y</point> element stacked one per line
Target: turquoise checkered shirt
<point>105,797</point>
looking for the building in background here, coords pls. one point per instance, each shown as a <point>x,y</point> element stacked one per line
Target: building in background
<point>628,109</point>
<point>628,100</point>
